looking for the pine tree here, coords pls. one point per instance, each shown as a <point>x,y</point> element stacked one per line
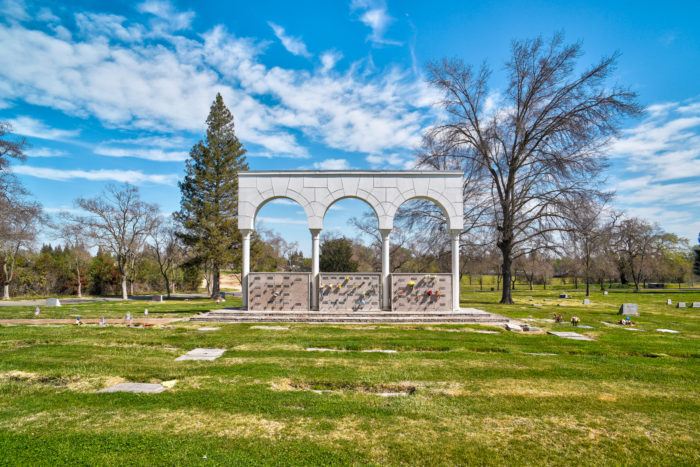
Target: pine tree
<point>208,213</point>
<point>696,263</point>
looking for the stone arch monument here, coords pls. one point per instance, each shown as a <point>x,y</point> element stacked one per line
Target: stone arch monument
<point>384,191</point>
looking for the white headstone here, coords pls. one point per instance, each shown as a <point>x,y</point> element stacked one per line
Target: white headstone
<point>605,292</point>
<point>586,301</point>
<point>695,305</point>
<point>680,305</point>
<point>669,301</point>
<point>628,309</point>
<point>53,302</point>
<point>513,327</point>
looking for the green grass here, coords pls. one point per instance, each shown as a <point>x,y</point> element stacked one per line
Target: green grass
<point>627,398</point>
<point>118,309</point>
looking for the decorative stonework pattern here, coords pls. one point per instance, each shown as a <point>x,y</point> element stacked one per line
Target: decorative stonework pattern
<point>276,291</point>
<point>349,291</point>
<point>316,191</point>
<point>421,292</point>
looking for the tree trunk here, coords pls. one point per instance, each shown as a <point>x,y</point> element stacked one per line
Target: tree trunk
<point>544,284</point>
<point>80,283</point>
<point>215,281</point>
<point>576,282</point>
<point>5,291</point>
<point>530,281</point>
<point>513,284</point>
<point>588,287</point>
<point>602,284</point>
<point>125,295</point>
<point>506,296</point>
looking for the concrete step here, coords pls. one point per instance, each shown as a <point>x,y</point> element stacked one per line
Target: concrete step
<point>465,316</point>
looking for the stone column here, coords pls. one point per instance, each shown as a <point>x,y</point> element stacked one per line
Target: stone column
<point>315,266</point>
<point>454,235</point>
<point>245,270</point>
<point>386,281</point>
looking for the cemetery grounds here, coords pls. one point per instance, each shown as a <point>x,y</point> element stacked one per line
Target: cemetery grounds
<point>450,394</point>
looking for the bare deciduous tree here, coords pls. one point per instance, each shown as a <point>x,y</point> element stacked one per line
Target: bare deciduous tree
<point>634,242</point>
<point>540,139</point>
<point>120,222</point>
<point>74,237</point>
<point>19,224</point>
<point>168,251</point>
<point>10,148</point>
<point>587,231</point>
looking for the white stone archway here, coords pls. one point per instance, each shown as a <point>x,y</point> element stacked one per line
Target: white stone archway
<point>384,191</point>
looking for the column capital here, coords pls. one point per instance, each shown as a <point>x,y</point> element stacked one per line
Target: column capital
<point>245,232</point>
<point>455,233</point>
<point>315,232</point>
<point>385,232</point>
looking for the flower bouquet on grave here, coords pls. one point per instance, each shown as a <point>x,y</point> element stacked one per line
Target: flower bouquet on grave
<point>429,293</point>
<point>438,293</point>
<point>411,284</point>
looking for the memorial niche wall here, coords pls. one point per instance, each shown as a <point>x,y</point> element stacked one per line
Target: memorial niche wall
<point>384,191</point>
<point>350,291</point>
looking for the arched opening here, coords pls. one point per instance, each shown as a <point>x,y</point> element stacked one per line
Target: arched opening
<point>344,231</point>
<point>421,238</point>
<point>280,241</point>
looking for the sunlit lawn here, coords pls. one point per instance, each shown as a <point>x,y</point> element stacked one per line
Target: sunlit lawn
<point>629,397</point>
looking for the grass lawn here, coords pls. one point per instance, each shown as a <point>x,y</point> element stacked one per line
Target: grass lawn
<point>470,398</point>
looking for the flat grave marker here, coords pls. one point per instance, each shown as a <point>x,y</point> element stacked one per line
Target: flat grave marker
<point>379,351</point>
<point>540,354</point>
<point>147,388</point>
<point>586,301</point>
<point>207,329</point>
<point>271,328</point>
<point>513,327</point>
<point>201,354</point>
<point>670,331</point>
<point>484,331</point>
<point>570,335</point>
<point>321,349</point>
<point>585,326</point>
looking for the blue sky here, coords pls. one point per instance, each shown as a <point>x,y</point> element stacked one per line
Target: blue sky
<point>119,91</point>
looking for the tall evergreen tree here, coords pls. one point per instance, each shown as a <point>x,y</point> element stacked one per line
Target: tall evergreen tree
<point>209,206</point>
<point>696,263</point>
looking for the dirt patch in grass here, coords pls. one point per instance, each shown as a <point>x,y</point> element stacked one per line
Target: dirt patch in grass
<point>336,386</point>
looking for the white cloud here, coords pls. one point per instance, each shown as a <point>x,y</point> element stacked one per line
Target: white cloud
<point>666,143</point>
<point>172,19</point>
<point>14,9</point>
<point>46,15</point>
<point>96,25</point>
<point>294,45</point>
<point>142,153</point>
<point>280,220</point>
<point>329,58</point>
<point>284,202</point>
<point>34,128</point>
<point>45,152</point>
<point>374,14</point>
<point>123,176</point>
<point>332,164</point>
<point>166,85</point>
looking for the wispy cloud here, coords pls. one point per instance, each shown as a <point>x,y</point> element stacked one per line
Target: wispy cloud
<point>123,176</point>
<point>294,45</point>
<point>45,152</point>
<point>332,164</point>
<point>280,220</point>
<point>123,78</point>
<point>374,14</point>
<point>34,128</point>
<point>170,18</point>
<point>658,162</point>
<point>141,153</point>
